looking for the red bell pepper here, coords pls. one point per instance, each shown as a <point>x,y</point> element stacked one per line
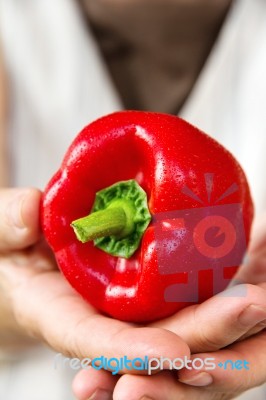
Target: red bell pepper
<point>127,175</point>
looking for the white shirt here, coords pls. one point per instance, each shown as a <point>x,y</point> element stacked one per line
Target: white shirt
<point>229,98</point>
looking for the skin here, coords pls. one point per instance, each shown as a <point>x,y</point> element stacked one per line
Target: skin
<point>29,279</point>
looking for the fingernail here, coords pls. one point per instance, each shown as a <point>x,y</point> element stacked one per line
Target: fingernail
<point>252,315</point>
<point>201,379</point>
<point>14,210</point>
<point>101,394</point>
<point>146,398</point>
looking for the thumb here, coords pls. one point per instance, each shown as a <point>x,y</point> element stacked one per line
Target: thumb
<point>19,218</point>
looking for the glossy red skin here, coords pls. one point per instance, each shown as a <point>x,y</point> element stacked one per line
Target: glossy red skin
<point>163,153</point>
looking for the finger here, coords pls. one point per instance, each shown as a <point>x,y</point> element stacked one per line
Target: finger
<point>220,320</point>
<point>239,367</point>
<point>219,383</point>
<point>162,386</point>
<point>19,218</point>
<point>50,309</point>
<point>94,384</point>
<point>256,329</point>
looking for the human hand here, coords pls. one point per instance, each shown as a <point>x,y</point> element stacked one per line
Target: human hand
<point>43,305</point>
<point>206,331</point>
<point>233,321</point>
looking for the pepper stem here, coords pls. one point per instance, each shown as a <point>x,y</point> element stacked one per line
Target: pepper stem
<point>116,220</point>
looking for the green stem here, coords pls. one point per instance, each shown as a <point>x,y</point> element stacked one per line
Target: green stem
<point>116,220</point>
